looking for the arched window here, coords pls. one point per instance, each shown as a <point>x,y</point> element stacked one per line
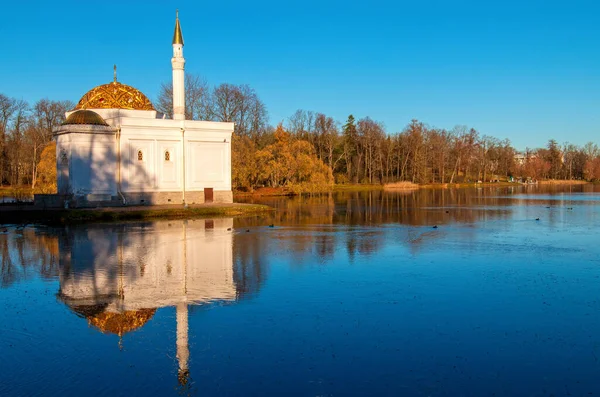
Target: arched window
<point>167,156</point>
<point>140,155</point>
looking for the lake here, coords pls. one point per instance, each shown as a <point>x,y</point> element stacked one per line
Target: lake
<point>435,292</point>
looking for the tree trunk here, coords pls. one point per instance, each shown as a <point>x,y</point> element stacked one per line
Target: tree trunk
<point>455,169</point>
<point>33,168</point>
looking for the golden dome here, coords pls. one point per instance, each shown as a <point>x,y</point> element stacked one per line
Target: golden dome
<point>121,323</point>
<point>114,96</point>
<point>85,117</point>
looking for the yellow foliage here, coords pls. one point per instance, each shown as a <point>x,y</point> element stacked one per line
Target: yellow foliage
<point>46,170</point>
<point>293,163</point>
<point>286,162</point>
<point>243,162</point>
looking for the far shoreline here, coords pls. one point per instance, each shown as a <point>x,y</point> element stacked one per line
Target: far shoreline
<point>402,186</point>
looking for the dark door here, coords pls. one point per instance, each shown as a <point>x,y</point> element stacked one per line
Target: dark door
<point>208,195</point>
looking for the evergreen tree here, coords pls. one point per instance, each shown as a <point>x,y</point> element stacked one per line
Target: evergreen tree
<point>351,147</point>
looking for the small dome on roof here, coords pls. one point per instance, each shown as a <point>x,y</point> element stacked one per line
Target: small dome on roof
<point>85,117</point>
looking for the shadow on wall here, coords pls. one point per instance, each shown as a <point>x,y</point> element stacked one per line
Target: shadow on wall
<point>91,176</point>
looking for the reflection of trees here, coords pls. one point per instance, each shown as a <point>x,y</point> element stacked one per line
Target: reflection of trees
<point>420,207</point>
<point>27,253</point>
<point>296,210</point>
<point>249,264</point>
<point>423,207</point>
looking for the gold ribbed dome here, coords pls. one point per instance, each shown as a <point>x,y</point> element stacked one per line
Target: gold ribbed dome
<point>85,117</point>
<point>114,96</point>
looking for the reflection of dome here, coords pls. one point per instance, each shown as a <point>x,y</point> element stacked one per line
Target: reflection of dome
<point>85,117</point>
<point>121,323</point>
<point>114,96</point>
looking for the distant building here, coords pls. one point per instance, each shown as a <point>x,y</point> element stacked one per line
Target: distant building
<point>113,149</point>
<point>522,157</point>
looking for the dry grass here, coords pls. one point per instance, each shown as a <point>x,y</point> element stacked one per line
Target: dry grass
<point>355,187</point>
<point>562,182</point>
<point>400,186</point>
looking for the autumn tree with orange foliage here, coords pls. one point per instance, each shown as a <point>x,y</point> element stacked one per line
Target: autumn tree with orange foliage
<point>536,168</point>
<point>244,172</point>
<point>292,163</point>
<point>592,169</point>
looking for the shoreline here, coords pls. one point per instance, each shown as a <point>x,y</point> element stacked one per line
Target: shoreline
<point>24,214</point>
<point>282,191</point>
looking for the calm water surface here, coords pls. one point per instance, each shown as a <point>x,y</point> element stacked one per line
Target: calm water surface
<point>347,294</point>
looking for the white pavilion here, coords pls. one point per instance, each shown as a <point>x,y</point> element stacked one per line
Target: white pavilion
<point>113,149</point>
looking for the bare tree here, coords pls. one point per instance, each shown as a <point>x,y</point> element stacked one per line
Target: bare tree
<point>7,108</point>
<point>197,99</point>
<point>15,140</point>
<point>372,134</point>
<point>241,105</point>
<point>326,137</point>
<point>46,115</point>
<point>302,124</point>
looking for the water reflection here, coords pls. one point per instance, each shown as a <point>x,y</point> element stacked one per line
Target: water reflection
<point>116,276</point>
<point>423,207</point>
<point>352,293</point>
<point>418,208</point>
<point>26,253</point>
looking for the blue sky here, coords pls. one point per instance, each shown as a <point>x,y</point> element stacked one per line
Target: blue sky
<point>523,70</point>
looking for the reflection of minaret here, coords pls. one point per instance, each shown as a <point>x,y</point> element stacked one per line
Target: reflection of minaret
<point>183,350</point>
<point>117,277</point>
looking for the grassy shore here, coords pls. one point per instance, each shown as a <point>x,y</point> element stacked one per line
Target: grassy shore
<point>282,191</point>
<point>28,214</point>
<point>404,185</point>
<point>563,182</point>
<point>350,187</point>
<point>465,185</point>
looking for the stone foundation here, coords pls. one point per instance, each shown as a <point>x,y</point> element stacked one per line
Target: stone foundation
<point>162,198</point>
<point>44,201</point>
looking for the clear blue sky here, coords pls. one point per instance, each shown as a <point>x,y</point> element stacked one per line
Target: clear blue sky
<point>523,70</point>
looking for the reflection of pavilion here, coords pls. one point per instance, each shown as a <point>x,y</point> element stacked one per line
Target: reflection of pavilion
<point>116,276</point>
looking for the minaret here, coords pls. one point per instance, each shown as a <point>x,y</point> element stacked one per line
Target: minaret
<point>178,63</point>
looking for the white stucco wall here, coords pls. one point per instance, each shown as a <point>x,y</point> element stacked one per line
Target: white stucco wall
<point>203,147</point>
<point>86,160</point>
<point>199,154</point>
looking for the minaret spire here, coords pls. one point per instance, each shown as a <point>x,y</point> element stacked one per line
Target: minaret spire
<point>178,63</point>
<point>177,36</point>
